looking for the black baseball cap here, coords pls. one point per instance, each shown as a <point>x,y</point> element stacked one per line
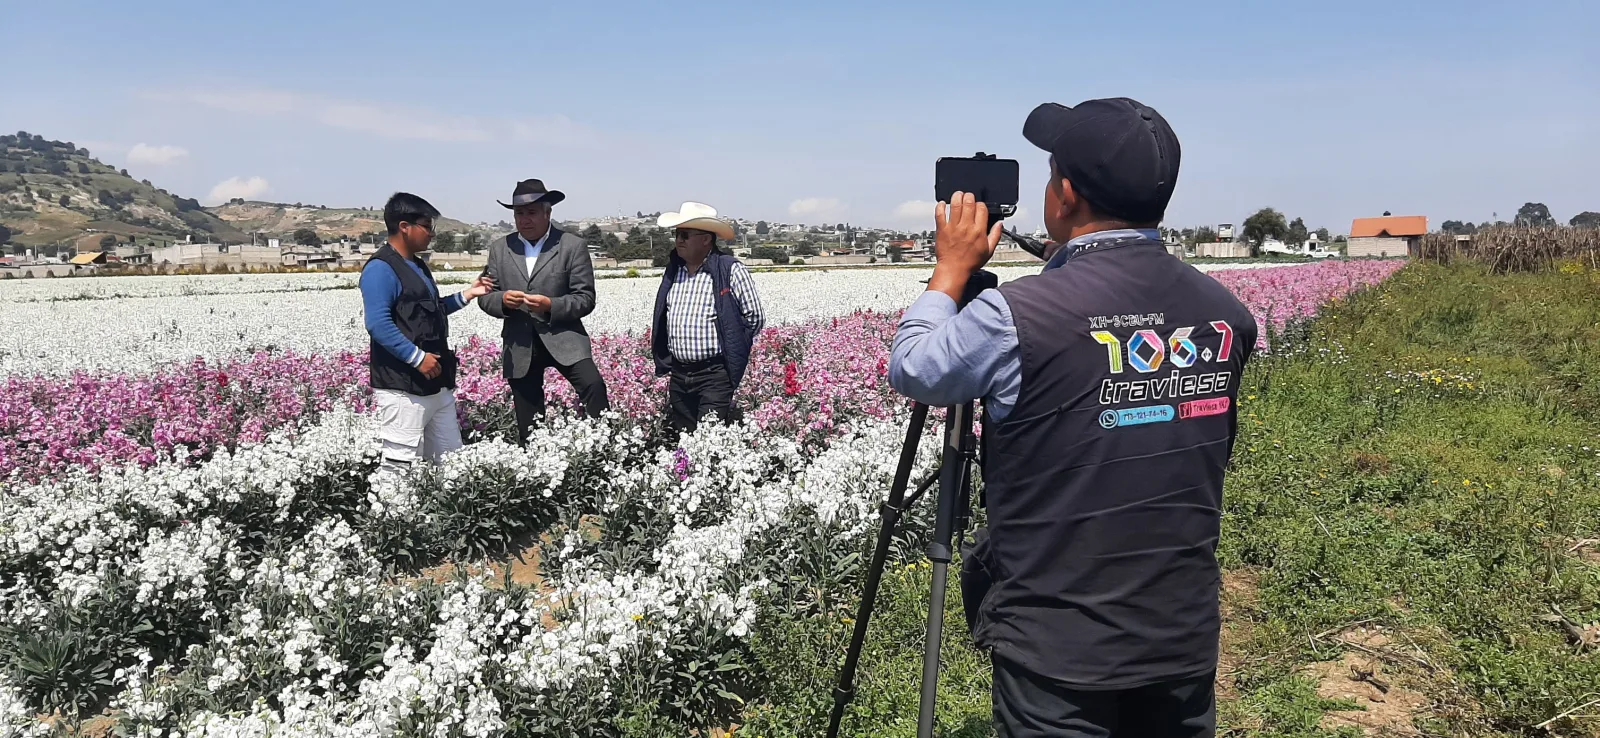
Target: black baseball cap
<point>1118,153</point>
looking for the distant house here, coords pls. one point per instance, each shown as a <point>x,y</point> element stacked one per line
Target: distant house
<point>1390,235</point>
<point>133,255</point>
<point>1222,250</point>
<point>308,257</point>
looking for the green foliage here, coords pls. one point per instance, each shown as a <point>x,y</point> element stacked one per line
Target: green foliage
<point>1534,214</point>
<point>1297,233</point>
<point>1264,224</point>
<point>306,237</point>
<point>1420,459</point>
<point>1290,706</point>
<point>798,657</point>
<point>1585,219</point>
<point>67,666</point>
<point>637,245</point>
<point>769,252</point>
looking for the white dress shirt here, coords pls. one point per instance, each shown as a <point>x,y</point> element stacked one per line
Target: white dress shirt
<point>531,251</point>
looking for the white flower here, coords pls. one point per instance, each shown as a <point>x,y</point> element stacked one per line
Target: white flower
<point>590,622</point>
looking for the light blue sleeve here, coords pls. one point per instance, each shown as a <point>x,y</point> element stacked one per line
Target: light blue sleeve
<point>942,357</point>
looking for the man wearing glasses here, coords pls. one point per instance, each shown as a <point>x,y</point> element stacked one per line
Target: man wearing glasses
<point>545,288</point>
<point>412,369</point>
<point>707,317</point>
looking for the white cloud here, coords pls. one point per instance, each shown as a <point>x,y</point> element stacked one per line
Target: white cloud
<point>380,120</point>
<point>239,187</point>
<point>827,209</point>
<point>143,153</point>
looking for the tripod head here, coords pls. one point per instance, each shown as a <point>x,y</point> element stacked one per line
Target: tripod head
<point>980,280</point>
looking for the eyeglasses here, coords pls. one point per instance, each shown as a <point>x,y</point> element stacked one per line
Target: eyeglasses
<point>686,234</point>
<point>530,212</point>
<point>427,226</point>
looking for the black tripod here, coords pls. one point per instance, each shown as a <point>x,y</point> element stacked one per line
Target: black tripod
<point>954,504</point>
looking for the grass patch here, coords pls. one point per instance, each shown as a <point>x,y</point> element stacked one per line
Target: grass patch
<point>1420,464</point>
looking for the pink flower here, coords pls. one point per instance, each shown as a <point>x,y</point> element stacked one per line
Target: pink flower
<point>806,381</point>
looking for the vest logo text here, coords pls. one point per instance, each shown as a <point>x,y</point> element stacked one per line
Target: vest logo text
<point>1146,352</point>
<point>1136,416</point>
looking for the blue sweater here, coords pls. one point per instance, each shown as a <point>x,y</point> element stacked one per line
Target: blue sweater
<point>380,287</point>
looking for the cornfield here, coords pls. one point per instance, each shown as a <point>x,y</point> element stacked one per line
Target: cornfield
<point>1516,248</point>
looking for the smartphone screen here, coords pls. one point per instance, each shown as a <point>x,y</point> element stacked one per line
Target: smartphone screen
<point>993,181</point>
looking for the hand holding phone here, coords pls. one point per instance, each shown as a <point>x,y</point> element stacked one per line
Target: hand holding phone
<point>991,181</point>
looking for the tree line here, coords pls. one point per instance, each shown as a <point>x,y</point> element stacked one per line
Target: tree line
<point>1530,214</point>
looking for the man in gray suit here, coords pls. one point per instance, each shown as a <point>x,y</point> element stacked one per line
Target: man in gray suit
<point>544,287</point>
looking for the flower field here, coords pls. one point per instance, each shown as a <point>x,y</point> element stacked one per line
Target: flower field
<point>135,324</point>
<point>192,543</point>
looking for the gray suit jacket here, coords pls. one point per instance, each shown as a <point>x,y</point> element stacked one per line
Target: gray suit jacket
<point>565,274</point>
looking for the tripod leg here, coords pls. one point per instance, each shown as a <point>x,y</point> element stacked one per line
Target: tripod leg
<point>890,513</point>
<point>954,471</point>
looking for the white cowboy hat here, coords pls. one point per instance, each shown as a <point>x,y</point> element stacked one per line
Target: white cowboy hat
<point>699,216</point>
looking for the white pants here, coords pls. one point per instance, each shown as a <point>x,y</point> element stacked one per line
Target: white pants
<point>414,427</point>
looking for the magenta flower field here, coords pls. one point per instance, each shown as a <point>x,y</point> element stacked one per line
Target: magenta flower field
<point>806,380</point>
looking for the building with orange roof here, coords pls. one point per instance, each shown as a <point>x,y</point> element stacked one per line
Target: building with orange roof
<point>1390,235</point>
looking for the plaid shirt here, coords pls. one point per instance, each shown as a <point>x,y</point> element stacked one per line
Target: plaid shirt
<point>692,312</point>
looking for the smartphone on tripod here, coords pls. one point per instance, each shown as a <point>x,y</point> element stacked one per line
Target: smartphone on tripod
<point>992,181</point>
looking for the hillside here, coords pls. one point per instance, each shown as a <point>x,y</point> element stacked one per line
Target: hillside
<point>329,223</point>
<point>55,194</point>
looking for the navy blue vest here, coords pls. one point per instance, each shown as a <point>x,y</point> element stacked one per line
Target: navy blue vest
<point>735,336</point>
<point>1104,483</point>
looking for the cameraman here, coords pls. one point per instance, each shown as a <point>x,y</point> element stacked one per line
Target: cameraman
<point>1109,383</point>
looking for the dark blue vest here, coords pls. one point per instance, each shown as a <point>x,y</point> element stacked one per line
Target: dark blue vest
<point>1104,483</point>
<point>735,336</point>
<point>421,319</point>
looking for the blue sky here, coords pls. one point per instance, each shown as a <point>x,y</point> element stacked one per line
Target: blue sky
<point>822,111</point>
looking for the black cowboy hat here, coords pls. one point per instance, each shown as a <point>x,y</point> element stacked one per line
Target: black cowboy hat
<point>530,191</point>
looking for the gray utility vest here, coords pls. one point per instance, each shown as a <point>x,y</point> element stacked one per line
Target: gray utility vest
<point>1104,483</point>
